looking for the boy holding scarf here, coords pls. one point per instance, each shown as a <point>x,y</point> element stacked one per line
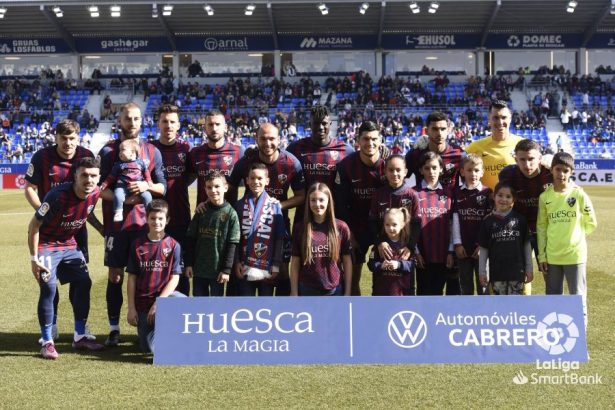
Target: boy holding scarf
<point>262,232</point>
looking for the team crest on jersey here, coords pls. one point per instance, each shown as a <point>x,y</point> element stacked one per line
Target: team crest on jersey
<point>30,170</point>
<point>166,252</point>
<point>260,249</point>
<point>334,154</point>
<point>511,224</point>
<point>90,208</point>
<point>146,162</point>
<point>224,217</point>
<point>546,186</point>
<point>449,167</point>
<point>405,202</point>
<point>182,156</point>
<point>43,209</point>
<point>443,198</point>
<point>480,200</point>
<point>228,160</point>
<point>282,178</point>
<point>571,201</point>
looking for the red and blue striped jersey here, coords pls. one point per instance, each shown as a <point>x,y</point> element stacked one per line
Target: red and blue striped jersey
<point>134,215</point>
<point>528,190</point>
<point>471,207</point>
<point>48,169</point>
<point>177,169</point>
<point>284,173</point>
<point>434,211</point>
<point>205,160</point>
<point>322,273</point>
<point>153,262</point>
<point>319,162</point>
<point>63,214</point>
<point>451,157</point>
<point>387,197</point>
<point>355,184</point>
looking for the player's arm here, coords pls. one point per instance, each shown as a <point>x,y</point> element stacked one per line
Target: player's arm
<point>342,194</point>
<point>32,195</point>
<point>96,224</point>
<point>33,236</point>
<point>133,316</point>
<point>295,265</point>
<point>588,214</point>
<point>542,223</point>
<point>297,199</point>
<point>347,264</point>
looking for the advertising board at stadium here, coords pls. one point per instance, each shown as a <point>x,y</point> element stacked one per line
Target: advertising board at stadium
<point>356,330</point>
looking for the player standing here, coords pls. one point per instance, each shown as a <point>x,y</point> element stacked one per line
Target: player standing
<point>55,255</point>
<point>118,236</point>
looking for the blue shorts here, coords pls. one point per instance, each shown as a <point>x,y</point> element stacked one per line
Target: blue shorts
<point>65,265</point>
<point>117,247</point>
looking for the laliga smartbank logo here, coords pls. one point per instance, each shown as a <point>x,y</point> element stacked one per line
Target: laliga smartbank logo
<point>556,372</point>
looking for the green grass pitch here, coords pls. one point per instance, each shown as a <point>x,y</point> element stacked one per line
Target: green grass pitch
<point>123,378</point>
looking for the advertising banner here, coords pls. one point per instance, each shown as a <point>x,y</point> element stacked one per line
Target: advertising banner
<point>123,44</point>
<point>10,46</point>
<point>530,41</point>
<point>594,172</point>
<point>330,42</point>
<point>224,43</point>
<point>354,330</point>
<point>430,41</point>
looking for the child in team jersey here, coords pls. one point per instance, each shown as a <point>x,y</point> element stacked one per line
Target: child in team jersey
<point>321,264</point>
<point>262,235</point>
<point>504,242</point>
<point>211,240</point>
<point>129,168</point>
<point>393,276</point>
<point>153,272</point>
<point>434,253</point>
<point>565,217</point>
<point>471,203</point>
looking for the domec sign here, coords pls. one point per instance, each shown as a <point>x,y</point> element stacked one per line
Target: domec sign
<point>533,41</point>
<point>310,330</point>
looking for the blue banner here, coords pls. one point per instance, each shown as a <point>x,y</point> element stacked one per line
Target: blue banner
<point>225,43</point>
<point>530,41</point>
<point>430,41</point>
<point>122,44</point>
<point>33,46</point>
<point>13,168</point>
<point>328,42</point>
<point>354,330</point>
<point>602,40</point>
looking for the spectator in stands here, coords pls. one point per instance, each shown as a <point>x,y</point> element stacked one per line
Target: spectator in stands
<point>17,154</point>
<point>107,108</point>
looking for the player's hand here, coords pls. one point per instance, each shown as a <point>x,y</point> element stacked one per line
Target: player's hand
<point>132,317</point>
<point>189,272</point>
<point>200,208</point>
<point>460,251</point>
<point>450,260</point>
<point>116,275</point>
<point>544,267</point>
<point>238,268</point>
<point>151,315</point>
<point>223,277</point>
<point>529,277</point>
<point>274,274</point>
<point>137,187</point>
<point>476,253</point>
<point>385,251</point>
<point>420,262</point>
<point>40,272</point>
<point>132,200</point>
<point>405,253</point>
<point>484,280</point>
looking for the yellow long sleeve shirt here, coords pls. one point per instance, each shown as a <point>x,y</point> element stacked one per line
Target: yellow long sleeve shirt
<point>564,220</point>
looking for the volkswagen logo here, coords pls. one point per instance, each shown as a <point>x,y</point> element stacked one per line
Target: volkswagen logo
<point>407,329</point>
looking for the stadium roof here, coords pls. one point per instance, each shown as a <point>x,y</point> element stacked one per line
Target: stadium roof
<point>28,19</point>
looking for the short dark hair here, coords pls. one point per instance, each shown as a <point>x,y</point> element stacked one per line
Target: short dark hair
<point>67,127</point>
<point>168,109</point>
<point>435,116</point>
<point>526,145</point>
<point>87,162</point>
<point>498,105</point>
<point>215,174</point>
<point>213,113</point>
<point>428,156</point>
<point>563,158</point>
<point>502,185</point>
<point>158,205</point>
<point>319,113</point>
<point>367,126</point>
<point>259,166</point>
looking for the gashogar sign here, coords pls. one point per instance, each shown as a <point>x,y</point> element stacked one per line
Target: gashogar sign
<point>354,330</point>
